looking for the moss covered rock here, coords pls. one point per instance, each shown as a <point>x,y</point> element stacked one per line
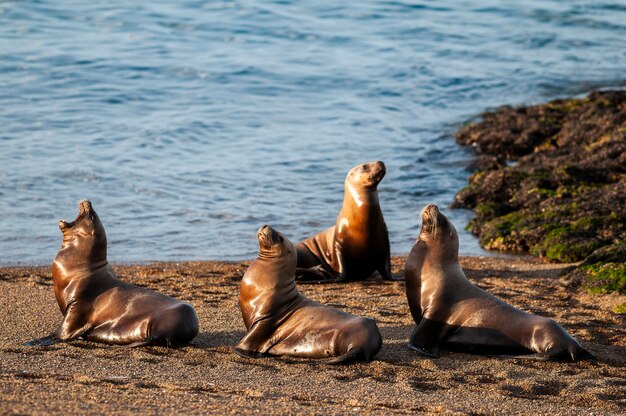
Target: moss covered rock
<point>551,180</point>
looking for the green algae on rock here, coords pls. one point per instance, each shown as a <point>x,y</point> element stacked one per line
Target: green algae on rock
<point>551,180</point>
<point>620,309</point>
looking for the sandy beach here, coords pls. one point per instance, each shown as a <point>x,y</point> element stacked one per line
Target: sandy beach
<point>207,377</point>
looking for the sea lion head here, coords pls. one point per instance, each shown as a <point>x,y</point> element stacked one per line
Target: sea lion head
<point>437,230</point>
<point>85,234</point>
<point>367,175</point>
<point>273,244</point>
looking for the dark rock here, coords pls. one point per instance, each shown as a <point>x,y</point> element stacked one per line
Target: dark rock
<point>565,197</point>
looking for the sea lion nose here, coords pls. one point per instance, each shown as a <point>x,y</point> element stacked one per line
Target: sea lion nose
<point>84,205</point>
<point>430,210</point>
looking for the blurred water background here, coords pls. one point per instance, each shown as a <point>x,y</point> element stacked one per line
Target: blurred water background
<point>191,123</point>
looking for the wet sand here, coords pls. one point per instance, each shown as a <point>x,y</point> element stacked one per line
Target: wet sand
<point>207,377</point>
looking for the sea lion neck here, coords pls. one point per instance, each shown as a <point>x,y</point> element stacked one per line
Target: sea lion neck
<point>71,262</point>
<point>438,251</point>
<point>272,253</point>
<point>359,197</point>
<point>84,250</point>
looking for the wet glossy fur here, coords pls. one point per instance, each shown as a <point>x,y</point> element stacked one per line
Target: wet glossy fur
<point>97,306</point>
<point>452,313</point>
<point>282,321</point>
<point>358,244</point>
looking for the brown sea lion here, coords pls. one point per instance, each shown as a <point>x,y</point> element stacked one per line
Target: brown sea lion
<point>453,314</point>
<point>282,321</point>
<point>358,244</point>
<point>97,306</point>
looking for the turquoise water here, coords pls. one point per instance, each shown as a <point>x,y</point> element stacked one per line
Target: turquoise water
<point>189,124</point>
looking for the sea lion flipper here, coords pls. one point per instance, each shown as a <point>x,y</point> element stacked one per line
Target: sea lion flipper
<point>427,337</point>
<point>254,343</point>
<point>534,357</point>
<point>249,354</point>
<point>43,342</point>
<point>423,351</point>
<point>152,340</point>
<point>583,354</point>
<point>385,269</point>
<point>346,358</point>
<point>573,356</point>
<point>73,325</point>
<point>315,274</point>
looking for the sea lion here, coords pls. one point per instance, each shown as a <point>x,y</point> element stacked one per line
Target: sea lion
<point>99,307</point>
<point>452,313</point>
<point>358,244</point>
<point>282,321</point>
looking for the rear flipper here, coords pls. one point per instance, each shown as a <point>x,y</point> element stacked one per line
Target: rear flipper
<point>44,342</point>
<point>531,357</point>
<point>572,356</point>
<point>357,354</point>
<point>152,340</point>
<point>583,354</point>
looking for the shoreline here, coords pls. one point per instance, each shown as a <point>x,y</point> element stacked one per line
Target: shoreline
<point>144,263</point>
<point>207,377</point>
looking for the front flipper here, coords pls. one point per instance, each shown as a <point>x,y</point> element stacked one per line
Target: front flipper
<point>431,354</point>
<point>249,354</point>
<point>427,337</point>
<point>385,272</point>
<point>72,327</point>
<point>255,343</point>
<point>43,342</point>
<point>385,269</point>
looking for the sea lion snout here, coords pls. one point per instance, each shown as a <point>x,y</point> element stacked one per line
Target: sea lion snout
<point>431,219</point>
<point>264,236</point>
<point>430,211</point>
<point>84,206</point>
<point>378,171</point>
<point>84,209</point>
<point>368,174</point>
<point>268,236</point>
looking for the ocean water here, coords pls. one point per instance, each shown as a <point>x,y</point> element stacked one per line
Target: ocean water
<point>189,124</point>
